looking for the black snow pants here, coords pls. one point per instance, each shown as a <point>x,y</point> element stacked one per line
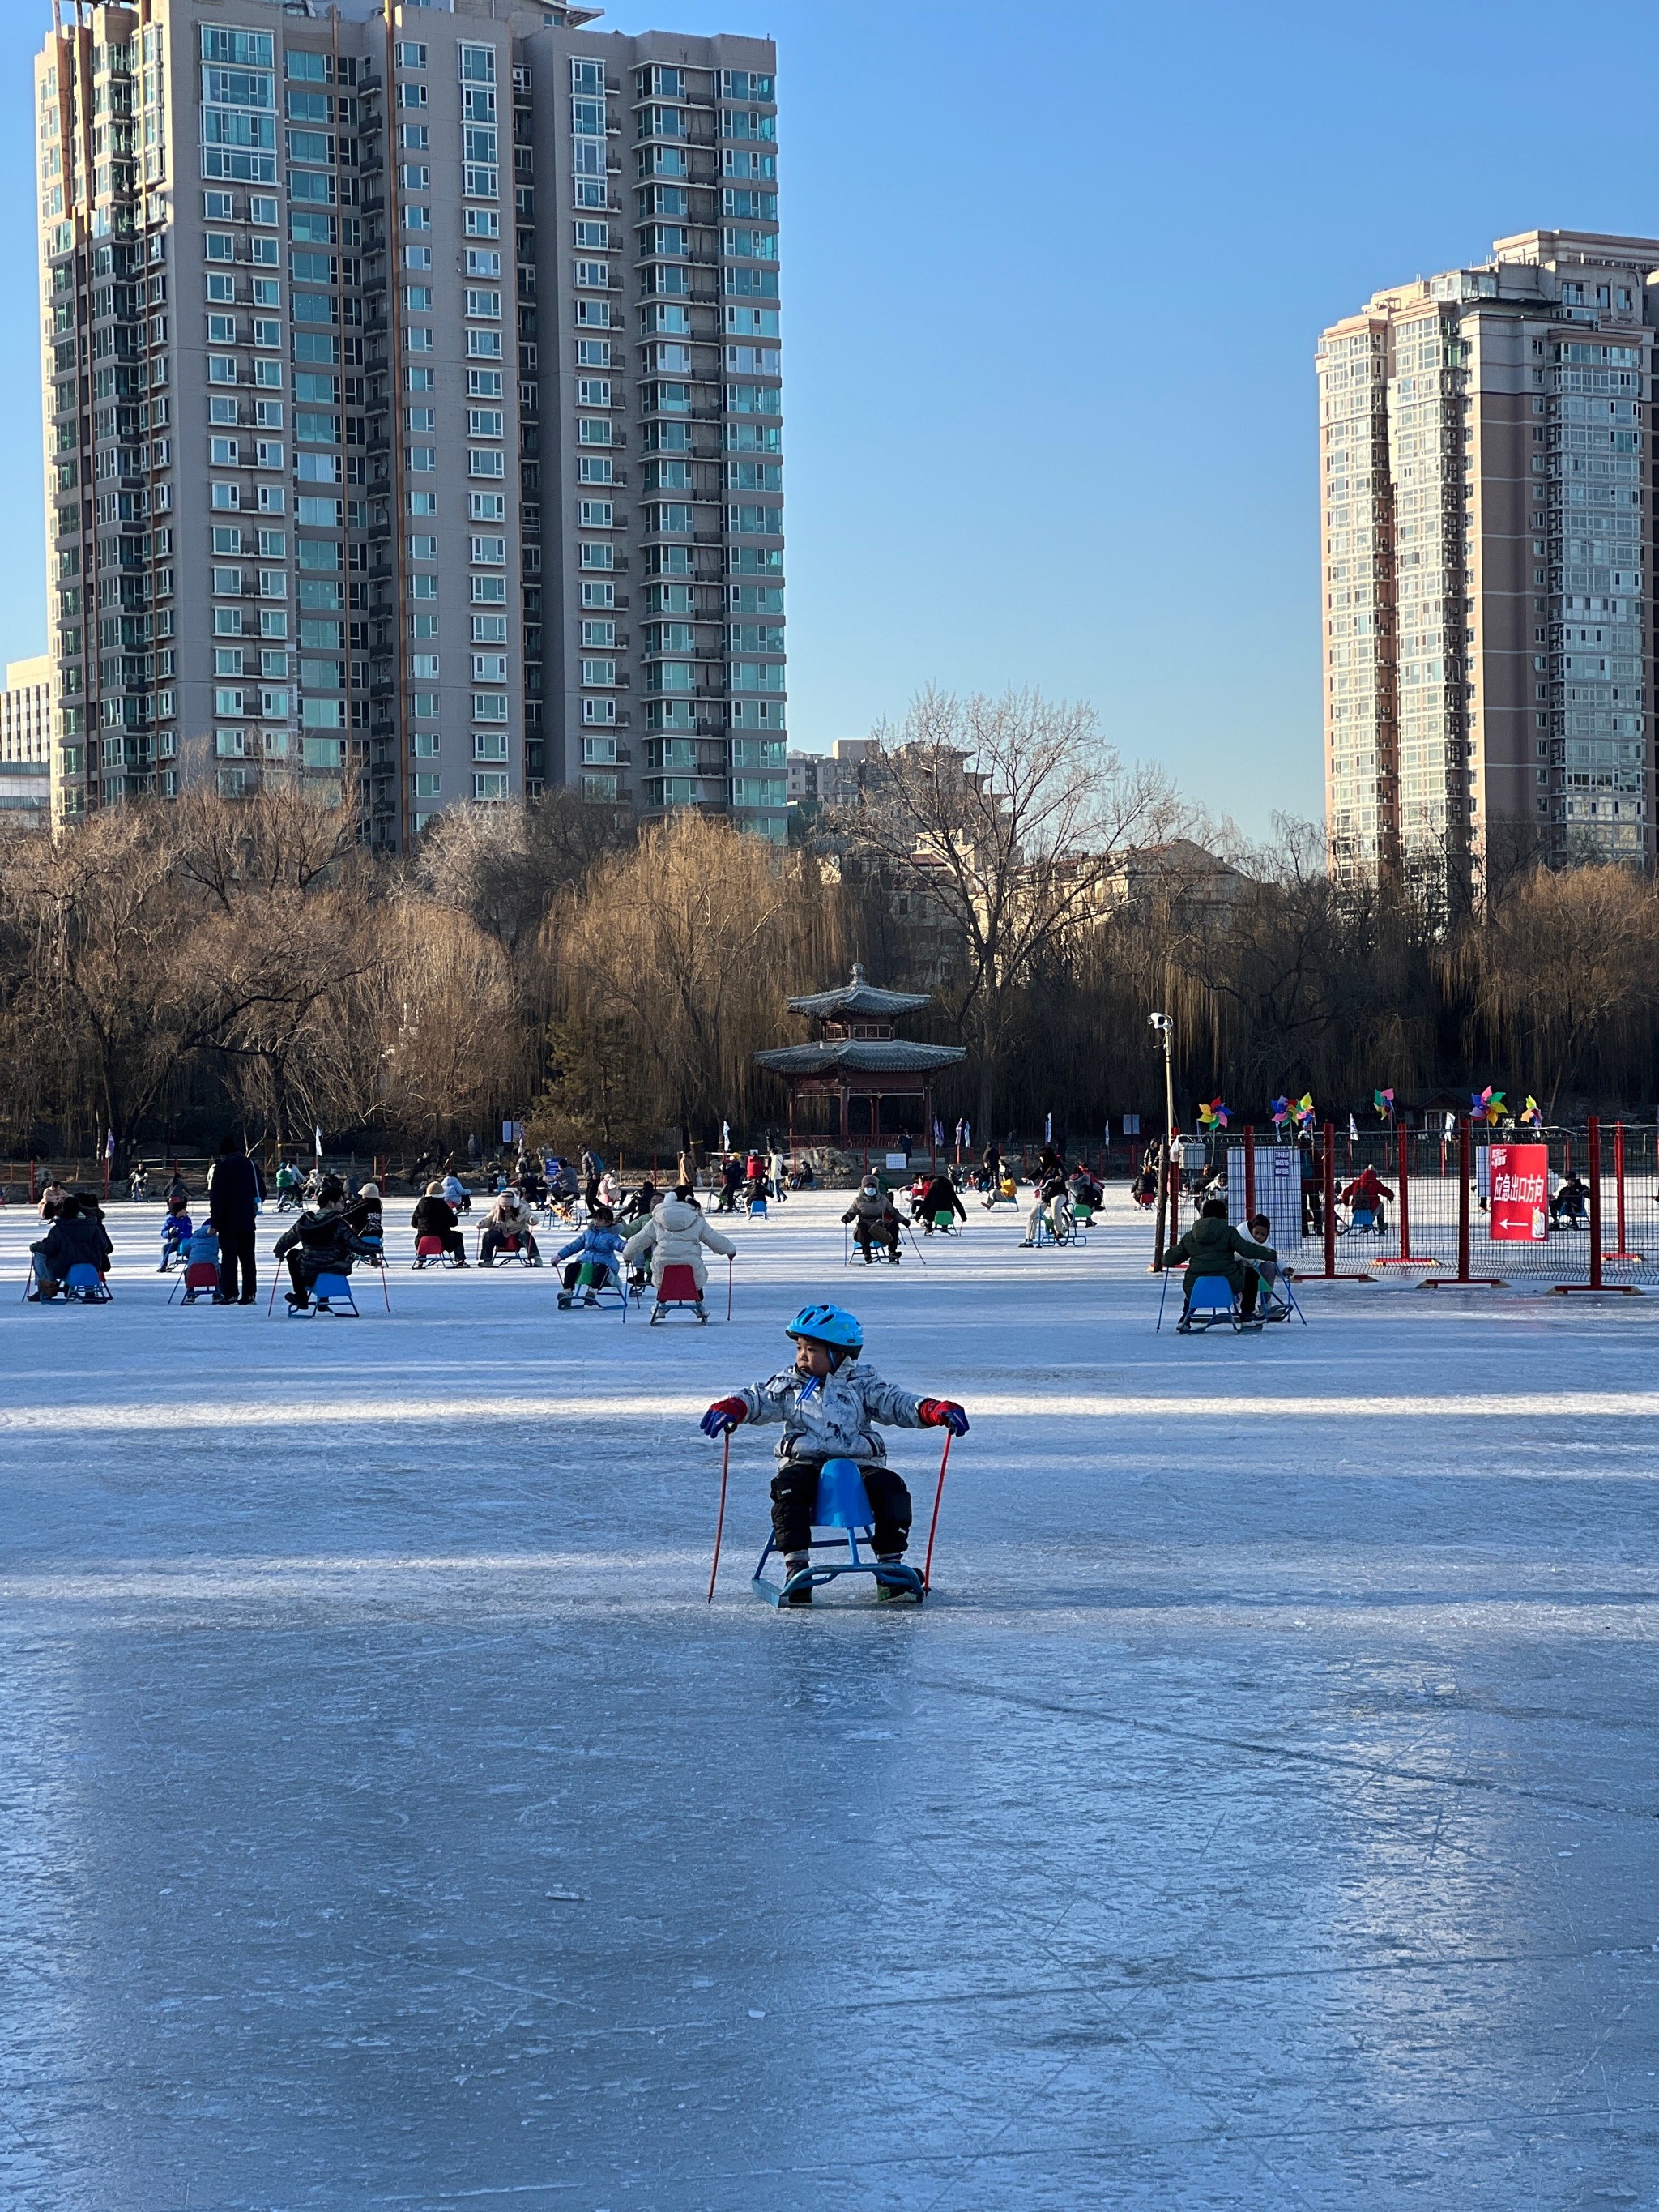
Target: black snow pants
<point>795,1486</point>
<point>236,1256</point>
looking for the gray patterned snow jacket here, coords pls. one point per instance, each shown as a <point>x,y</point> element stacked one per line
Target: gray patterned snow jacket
<point>831,1420</point>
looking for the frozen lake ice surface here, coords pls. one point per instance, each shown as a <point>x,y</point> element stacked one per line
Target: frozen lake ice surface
<point>1260,1813</point>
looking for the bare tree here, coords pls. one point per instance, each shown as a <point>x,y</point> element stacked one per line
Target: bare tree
<point>1568,962</point>
<point>99,921</point>
<point>1009,814</point>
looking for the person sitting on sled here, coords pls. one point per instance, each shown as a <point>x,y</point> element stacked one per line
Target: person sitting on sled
<point>875,1220</point>
<point>828,1403</point>
<point>1210,1247</point>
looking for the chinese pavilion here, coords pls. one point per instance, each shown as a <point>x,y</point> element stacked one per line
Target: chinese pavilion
<point>859,1065</point>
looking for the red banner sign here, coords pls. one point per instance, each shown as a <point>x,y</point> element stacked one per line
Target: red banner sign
<point>1520,1193</point>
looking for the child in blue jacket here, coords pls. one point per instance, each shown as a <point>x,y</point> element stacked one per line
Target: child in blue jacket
<point>595,1259</point>
<point>175,1231</point>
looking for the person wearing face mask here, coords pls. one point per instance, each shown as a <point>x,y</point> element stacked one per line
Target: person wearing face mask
<point>875,1221</point>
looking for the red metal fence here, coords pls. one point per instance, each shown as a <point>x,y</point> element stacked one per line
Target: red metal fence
<point>1430,1210</point>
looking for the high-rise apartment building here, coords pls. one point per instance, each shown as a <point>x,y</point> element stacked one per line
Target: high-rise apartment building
<point>25,738</point>
<point>1487,513</point>
<point>413,406</point>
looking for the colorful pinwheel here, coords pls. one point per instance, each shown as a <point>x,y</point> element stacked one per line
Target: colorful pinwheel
<point>1281,1112</point>
<point>1486,1106</point>
<point>1530,1115</point>
<point>1383,1101</point>
<point>1214,1115</point>
<point>1302,1112</point>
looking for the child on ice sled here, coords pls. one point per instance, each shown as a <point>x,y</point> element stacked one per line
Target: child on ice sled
<point>829,1402</point>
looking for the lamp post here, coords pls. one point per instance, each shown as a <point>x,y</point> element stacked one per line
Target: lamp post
<point>1165,1028</point>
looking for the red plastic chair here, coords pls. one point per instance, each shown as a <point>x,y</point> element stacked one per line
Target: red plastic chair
<point>678,1287</point>
<point>427,1248</point>
<point>199,1276</point>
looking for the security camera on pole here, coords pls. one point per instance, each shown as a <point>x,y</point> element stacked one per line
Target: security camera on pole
<point>1165,1028</point>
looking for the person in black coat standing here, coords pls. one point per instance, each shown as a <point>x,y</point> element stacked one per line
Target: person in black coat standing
<point>233,1198</point>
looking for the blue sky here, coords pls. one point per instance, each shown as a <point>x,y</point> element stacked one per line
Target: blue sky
<point>1053,279</point>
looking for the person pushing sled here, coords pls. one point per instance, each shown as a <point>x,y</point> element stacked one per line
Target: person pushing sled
<point>829,1403</point>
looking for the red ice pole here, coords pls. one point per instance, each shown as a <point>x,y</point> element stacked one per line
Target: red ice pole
<point>1404,1192</point>
<point>1249,1174</point>
<point>720,1524</point>
<point>1330,1199</point>
<point>1594,1129</point>
<point>1462,1201</point>
<point>932,1526</point>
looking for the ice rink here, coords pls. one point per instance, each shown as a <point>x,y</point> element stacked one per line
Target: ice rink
<point>1261,1812</point>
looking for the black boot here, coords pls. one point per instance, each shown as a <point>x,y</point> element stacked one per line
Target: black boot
<point>793,1564</point>
<point>885,1591</point>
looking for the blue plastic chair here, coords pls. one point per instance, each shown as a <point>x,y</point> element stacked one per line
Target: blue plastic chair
<point>330,1294</point>
<point>85,1285</point>
<point>841,1503</point>
<point>757,1207</point>
<point>1211,1300</point>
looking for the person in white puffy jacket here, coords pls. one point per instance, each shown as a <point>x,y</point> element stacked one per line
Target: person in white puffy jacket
<point>675,1236</point>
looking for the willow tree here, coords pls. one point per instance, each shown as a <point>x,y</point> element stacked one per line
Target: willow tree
<point>695,938</point>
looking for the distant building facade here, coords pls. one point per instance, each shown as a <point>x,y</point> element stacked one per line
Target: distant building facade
<point>26,739</point>
<point>1487,562</point>
<point>413,407</point>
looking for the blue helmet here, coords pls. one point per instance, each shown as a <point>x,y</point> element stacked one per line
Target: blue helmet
<point>831,1325</point>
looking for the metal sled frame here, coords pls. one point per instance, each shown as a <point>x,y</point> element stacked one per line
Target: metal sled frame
<point>519,1256</point>
<point>83,1287</point>
<point>183,1287</point>
<point>843,1502</point>
<point>1283,1293</point>
<point>331,1297</point>
<point>671,1295</point>
<point>1048,1233</point>
<point>1204,1309</point>
<point>606,1295</point>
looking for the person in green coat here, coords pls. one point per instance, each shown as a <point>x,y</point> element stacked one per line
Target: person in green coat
<point>1212,1247</point>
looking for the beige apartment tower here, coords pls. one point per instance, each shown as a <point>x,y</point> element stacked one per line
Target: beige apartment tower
<point>413,407</point>
<point>1487,516</point>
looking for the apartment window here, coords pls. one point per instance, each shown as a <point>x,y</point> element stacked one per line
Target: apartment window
<point>489,629</point>
<point>599,673</point>
<point>485,306</point>
<point>486,507</point>
<point>483,345</point>
<point>489,552</point>
<point>598,556</point>
<point>490,706</point>
<point>410,55</point>
<point>489,668</point>
<point>481,462</point>
<point>484,422</point>
<point>593,469</point>
<point>599,710</point>
<point>591,353</point>
<point>487,788</point>
<point>490,591</point>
